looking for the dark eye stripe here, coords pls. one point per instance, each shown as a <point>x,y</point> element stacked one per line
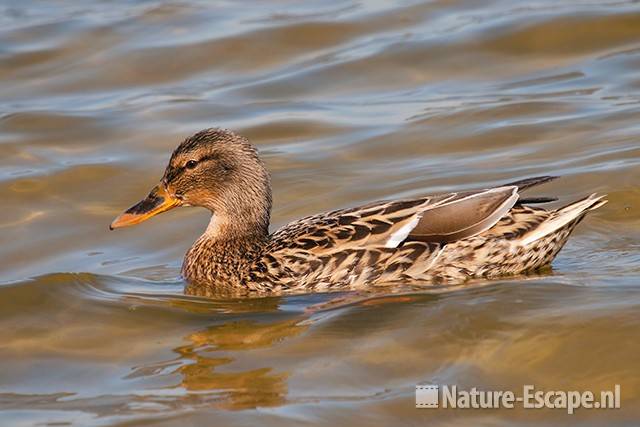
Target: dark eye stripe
<point>175,172</point>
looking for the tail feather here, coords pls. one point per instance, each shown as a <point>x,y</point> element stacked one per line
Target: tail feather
<point>523,184</point>
<point>564,216</point>
<point>589,203</point>
<point>535,200</point>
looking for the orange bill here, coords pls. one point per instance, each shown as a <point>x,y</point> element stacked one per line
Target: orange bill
<point>158,201</point>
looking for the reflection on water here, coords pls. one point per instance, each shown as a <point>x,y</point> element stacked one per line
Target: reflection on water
<point>257,387</point>
<point>348,101</point>
<point>198,366</point>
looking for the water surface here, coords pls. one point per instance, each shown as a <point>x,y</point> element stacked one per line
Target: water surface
<point>348,102</point>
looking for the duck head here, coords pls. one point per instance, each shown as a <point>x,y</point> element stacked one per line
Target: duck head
<point>216,169</point>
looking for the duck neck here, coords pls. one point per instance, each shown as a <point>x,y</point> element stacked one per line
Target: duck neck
<point>222,256</point>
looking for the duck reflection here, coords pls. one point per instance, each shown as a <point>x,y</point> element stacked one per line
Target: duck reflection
<point>209,349</point>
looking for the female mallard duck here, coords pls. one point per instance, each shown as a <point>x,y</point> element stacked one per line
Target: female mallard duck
<point>444,238</point>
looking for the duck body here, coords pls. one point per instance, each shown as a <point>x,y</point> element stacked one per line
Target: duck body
<point>431,240</point>
<point>354,249</point>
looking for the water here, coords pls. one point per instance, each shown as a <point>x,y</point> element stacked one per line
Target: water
<point>348,102</point>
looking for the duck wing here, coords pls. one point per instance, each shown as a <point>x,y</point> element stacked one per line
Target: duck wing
<point>464,215</point>
<point>350,248</point>
<point>439,218</point>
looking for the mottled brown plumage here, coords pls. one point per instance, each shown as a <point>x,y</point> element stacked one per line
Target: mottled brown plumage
<point>438,239</point>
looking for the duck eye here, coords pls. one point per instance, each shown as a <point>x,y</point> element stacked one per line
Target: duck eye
<point>191,164</point>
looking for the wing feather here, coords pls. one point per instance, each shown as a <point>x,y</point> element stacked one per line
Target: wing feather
<point>465,217</point>
<point>397,238</point>
<point>439,219</point>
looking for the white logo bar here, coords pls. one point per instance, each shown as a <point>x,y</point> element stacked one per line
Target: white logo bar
<point>450,396</point>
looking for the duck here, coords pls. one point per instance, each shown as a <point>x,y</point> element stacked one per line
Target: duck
<point>433,240</point>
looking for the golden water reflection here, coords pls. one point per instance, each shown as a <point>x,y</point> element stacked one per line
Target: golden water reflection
<point>205,366</point>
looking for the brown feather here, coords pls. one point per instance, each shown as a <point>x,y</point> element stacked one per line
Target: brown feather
<point>464,216</point>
